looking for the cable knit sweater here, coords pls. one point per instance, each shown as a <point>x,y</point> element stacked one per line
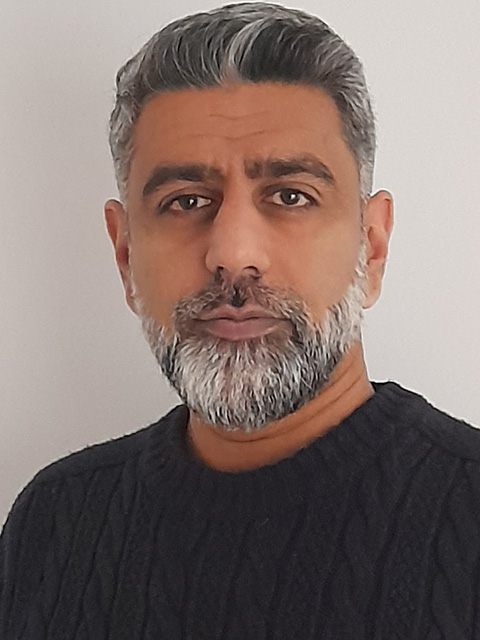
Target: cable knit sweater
<point>371,532</point>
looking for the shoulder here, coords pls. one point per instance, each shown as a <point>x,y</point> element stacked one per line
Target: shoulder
<point>79,487</point>
<point>452,435</point>
<point>104,455</point>
<point>65,509</point>
<point>99,464</point>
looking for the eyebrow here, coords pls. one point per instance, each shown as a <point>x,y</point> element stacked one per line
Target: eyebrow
<point>165,173</point>
<point>280,167</point>
<point>254,169</point>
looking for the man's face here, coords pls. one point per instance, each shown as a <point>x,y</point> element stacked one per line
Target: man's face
<point>247,185</point>
<point>311,247</point>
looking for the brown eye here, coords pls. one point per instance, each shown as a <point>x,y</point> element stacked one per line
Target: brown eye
<point>183,203</point>
<point>291,198</point>
<point>188,202</point>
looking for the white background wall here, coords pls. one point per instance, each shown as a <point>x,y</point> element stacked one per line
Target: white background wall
<point>73,365</point>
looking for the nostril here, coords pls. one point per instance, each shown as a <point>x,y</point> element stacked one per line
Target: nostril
<point>237,299</point>
<point>253,272</point>
<point>218,276</point>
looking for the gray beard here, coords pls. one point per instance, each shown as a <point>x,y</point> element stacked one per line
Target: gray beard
<point>245,385</point>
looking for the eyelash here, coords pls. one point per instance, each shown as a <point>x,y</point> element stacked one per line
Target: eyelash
<point>298,192</point>
<point>166,206</point>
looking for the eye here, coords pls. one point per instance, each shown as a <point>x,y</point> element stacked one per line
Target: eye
<point>291,198</point>
<point>187,202</point>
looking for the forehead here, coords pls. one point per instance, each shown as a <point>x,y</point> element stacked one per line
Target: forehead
<point>237,123</point>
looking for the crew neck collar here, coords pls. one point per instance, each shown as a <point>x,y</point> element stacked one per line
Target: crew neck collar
<point>169,462</point>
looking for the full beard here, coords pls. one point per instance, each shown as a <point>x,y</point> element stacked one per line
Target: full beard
<point>244,385</point>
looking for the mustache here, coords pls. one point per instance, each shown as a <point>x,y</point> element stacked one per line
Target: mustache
<point>285,303</point>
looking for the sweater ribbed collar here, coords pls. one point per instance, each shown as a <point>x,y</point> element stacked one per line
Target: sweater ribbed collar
<point>327,462</point>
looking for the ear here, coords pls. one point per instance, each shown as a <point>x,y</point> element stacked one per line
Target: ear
<point>378,223</point>
<point>117,226</point>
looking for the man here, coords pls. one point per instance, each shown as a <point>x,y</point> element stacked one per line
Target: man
<point>288,496</point>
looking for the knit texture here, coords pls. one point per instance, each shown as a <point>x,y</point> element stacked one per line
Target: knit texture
<point>371,532</point>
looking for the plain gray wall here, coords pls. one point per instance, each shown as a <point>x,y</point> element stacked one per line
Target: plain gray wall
<point>74,367</point>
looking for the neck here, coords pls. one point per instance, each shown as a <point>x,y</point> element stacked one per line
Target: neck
<point>347,389</point>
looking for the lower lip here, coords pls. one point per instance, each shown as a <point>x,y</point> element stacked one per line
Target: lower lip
<point>242,330</point>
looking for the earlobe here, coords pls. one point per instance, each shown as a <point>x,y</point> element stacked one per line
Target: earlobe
<point>117,227</point>
<point>378,223</point>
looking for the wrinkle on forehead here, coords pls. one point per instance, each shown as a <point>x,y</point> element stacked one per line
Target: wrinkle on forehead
<point>225,116</point>
<point>281,131</point>
<point>232,138</point>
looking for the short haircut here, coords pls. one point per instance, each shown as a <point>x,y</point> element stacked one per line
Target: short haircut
<point>246,43</point>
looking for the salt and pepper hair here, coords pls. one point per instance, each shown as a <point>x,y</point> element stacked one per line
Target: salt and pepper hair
<point>245,43</point>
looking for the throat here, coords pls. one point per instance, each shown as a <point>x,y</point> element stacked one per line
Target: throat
<point>347,389</point>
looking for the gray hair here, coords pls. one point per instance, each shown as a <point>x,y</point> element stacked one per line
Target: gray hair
<point>247,42</point>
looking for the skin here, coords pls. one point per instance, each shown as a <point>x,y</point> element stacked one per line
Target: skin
<point>311,245</point>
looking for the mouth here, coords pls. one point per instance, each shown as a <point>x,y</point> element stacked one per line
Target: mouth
<point>230,329</point>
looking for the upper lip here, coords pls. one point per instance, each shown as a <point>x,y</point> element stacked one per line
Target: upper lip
<point>238,315</point>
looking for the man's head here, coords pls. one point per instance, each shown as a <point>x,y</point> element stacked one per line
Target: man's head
<point>243,142</point>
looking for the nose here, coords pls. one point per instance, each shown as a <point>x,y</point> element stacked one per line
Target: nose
<point>238,240</point>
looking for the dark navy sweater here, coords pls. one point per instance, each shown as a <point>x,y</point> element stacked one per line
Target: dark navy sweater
<point>371,532</point>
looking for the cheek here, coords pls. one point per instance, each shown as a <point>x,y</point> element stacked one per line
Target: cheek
<point>323,268</point>
<point>162,274</point>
